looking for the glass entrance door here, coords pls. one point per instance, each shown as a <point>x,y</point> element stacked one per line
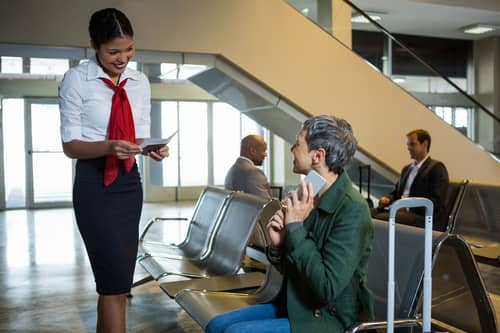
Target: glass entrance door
<point>49,171</point>
<point>14,153</point>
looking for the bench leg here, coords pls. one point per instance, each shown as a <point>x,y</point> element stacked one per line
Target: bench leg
<point>142,281</point>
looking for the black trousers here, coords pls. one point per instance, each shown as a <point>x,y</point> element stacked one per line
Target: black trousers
<point>402,216</point>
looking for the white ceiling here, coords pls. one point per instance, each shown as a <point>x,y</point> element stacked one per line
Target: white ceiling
<point>434,18</point>
<point>477,4</point>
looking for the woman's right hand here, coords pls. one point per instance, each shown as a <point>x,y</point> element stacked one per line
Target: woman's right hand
<point>123,149</point>
<point>276,228</point>
<point>159,154</point>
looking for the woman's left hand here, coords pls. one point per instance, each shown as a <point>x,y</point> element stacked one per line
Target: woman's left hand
<point>298,209</point>
<point>159,154</point>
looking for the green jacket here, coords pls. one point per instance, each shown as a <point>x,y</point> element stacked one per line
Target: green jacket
<point>324,263</point>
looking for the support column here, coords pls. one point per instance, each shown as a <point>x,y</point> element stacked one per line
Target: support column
<point>487,91</point>
<point>387,59</point>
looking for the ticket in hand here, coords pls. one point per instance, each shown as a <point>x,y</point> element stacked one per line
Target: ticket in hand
<point>153,144</point>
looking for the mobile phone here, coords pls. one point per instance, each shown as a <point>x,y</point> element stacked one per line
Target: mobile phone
<point>316,180</point>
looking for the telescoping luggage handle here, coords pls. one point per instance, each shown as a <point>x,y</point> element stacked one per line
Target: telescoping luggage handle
<point>427,301</point>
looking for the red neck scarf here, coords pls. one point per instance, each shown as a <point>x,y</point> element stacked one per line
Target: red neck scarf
<point>121,127</point>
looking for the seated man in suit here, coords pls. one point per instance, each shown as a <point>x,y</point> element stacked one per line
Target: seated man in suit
<point>424,177</point>
<point>244,174</point>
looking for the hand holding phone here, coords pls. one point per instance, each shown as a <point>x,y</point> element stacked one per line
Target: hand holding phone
<point>298,209</point>
<point>316,180</point>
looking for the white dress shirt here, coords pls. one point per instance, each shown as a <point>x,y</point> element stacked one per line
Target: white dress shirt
<point>85,102</point>
<point>411,176</point>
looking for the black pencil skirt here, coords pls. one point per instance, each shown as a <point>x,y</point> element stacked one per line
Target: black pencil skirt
<point>108,220</point>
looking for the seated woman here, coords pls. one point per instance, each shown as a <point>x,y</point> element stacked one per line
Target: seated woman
<point>321,244</point>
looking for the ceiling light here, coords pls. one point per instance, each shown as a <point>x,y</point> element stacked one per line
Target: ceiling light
<point>358,18</point>
<point>480,28</point>
<point>305,11</point>
<point>399,79</point>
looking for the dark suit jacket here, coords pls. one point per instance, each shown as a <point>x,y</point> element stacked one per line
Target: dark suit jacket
<point>431,182</point>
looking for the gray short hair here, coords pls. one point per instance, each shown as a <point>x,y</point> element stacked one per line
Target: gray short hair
<point>335,136</point>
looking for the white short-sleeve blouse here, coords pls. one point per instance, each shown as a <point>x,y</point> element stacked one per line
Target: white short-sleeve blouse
<point>85,102</point>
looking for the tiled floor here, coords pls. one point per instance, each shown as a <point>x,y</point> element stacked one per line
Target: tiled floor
<point>46,284</point>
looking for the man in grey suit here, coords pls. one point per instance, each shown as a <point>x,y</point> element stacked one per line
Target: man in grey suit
<point>244,174</point>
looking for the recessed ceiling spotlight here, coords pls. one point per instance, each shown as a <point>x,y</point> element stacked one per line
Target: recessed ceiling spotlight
<point>358,18</point>
<point>305,11</point>
<point>399,79</point>
<point>480,28</point>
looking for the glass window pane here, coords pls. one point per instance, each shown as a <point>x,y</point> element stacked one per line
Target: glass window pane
<point>447,114</point>
<point>307,8</point>
<point>449,56</point>
<point>12,65</point>
<point>47,155</point>
<point>440,86</point>
<point>370,46</point>
<point>193,138</point>
<point>52,177</point>
<point>45,126</point>
<point>48,66</point>
<point>439,111</point>
<point>460,82</point>
<point>226,139</point>
<point>461,117</point>
<point>249,126</point>
<point>278,160</point>
<point>14,152</point>
<point>168,71</point>
<point>170,165</point>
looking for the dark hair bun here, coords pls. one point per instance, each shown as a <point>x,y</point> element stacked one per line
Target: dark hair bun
<point>107,24</point>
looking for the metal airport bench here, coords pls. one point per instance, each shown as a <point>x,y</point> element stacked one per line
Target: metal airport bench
<point>460,301</point>
<point>229,245</point>
<point>219,301</point>
<point>478,221</point>
<point>210,205</point>
<point>237,282</point>
<point>453,200</point>
<point>225,249</point>
<point>203,305</point>
<point>459,298</point>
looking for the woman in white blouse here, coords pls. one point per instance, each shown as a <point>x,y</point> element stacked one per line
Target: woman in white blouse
<point>105,114</point>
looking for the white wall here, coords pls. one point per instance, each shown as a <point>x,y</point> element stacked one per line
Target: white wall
<point>277,46</point>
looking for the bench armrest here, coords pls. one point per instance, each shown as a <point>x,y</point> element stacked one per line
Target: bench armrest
<point>158,219</point>
<point>376,325</point>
